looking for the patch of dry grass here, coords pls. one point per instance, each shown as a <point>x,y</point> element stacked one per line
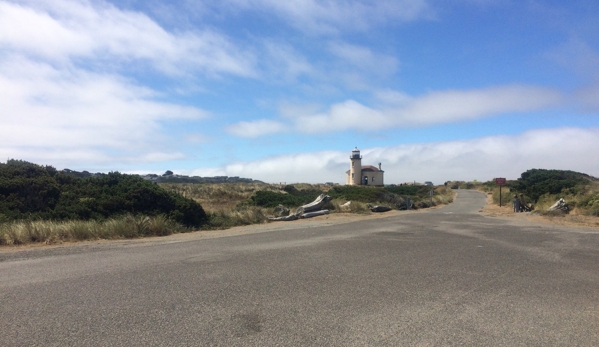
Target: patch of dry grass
<point>50,232</point>
<point>443,196</point>
<point>573,219</point>
<point>227,204</point>
<point>217,198</point>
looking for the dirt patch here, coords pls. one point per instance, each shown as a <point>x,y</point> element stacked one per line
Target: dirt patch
<point>571,219</point>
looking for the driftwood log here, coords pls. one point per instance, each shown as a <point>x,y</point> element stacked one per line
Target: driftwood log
<point>312,209</point>
<point>560,205</point>
<point>380,208</point>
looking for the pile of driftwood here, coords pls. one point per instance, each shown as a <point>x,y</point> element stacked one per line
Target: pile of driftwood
<point>560,205</point>
<point>372,208</point>
<point>312,209</point>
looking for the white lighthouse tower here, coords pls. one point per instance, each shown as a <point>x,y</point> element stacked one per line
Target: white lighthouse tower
<point>355,171</point>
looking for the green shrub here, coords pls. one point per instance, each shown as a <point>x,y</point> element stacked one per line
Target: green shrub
<point>356,193</point>
<point>30,192</point>
<point>536,182</point>
<point>409,190</point>
<point>272,199</point>
<point>292,197</point>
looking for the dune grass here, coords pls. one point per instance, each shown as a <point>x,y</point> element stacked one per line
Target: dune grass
<point>51,232</point>
<point>229,205</point>
<point>226,205</point>
<point>584,200</point>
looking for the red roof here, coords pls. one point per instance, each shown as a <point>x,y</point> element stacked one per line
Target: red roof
<point>370,168</point>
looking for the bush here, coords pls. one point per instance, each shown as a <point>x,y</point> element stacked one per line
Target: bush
<point>409,190</point>
<point>31,192</point>
<point>537,182</point>
<point>356,193</point>
<point>272,199</point>
<point>292,197</point>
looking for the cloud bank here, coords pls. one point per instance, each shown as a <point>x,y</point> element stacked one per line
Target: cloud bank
<point>481,159</point>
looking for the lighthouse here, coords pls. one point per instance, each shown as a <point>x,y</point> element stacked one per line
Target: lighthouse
<point>355,169</point>
<point>359,175</point>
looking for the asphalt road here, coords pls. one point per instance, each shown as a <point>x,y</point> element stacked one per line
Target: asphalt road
<point>448,277</point>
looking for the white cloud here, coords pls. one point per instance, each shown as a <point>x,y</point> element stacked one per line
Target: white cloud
<point>330,16</point>
<point>284,62</point>
<point>358,67</point>
<point>481,159</point>
<point>363,58</point>
<point>392,97</point>
<point>434,108</point>
<point>72,114</point>
<point>453,105</point>
<point>256,128</point>
<point>303,167</point>
<point>61,31</point>
<point>398,110</point>
<point>64,97</point>
<point>198,138</point>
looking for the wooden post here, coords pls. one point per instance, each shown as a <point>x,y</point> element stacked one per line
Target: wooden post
<point>500,181</point>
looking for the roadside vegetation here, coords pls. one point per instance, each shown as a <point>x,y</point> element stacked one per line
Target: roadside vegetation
<point>229,205</point>
<point>51,232</point>
<point>545,187</point>
<point>542,188</point>
<point>39,204</point>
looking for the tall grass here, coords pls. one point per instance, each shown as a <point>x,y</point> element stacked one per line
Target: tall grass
<point>507,196</point>
<point>227,205</point>
<point>443,195</point>
<point>584,203</point>
<point>219,197</point>
<point>243,215</point>
<point>26,232</point>
<point>583,200</point>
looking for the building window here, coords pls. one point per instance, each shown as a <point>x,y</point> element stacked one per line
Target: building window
<point>372,179</point>
<point>352,163</point>
<point>352,175</point>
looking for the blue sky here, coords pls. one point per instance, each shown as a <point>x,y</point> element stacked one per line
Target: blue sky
<point>282,91</point>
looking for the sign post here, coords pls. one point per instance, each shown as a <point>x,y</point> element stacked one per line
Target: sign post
<point>500,181</point>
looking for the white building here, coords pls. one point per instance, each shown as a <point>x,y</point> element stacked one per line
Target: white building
<point>359,175</point>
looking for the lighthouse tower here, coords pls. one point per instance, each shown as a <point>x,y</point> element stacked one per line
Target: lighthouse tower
<point>355,170</point>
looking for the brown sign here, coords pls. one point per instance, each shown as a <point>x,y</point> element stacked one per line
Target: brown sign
<point>500,181</point>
